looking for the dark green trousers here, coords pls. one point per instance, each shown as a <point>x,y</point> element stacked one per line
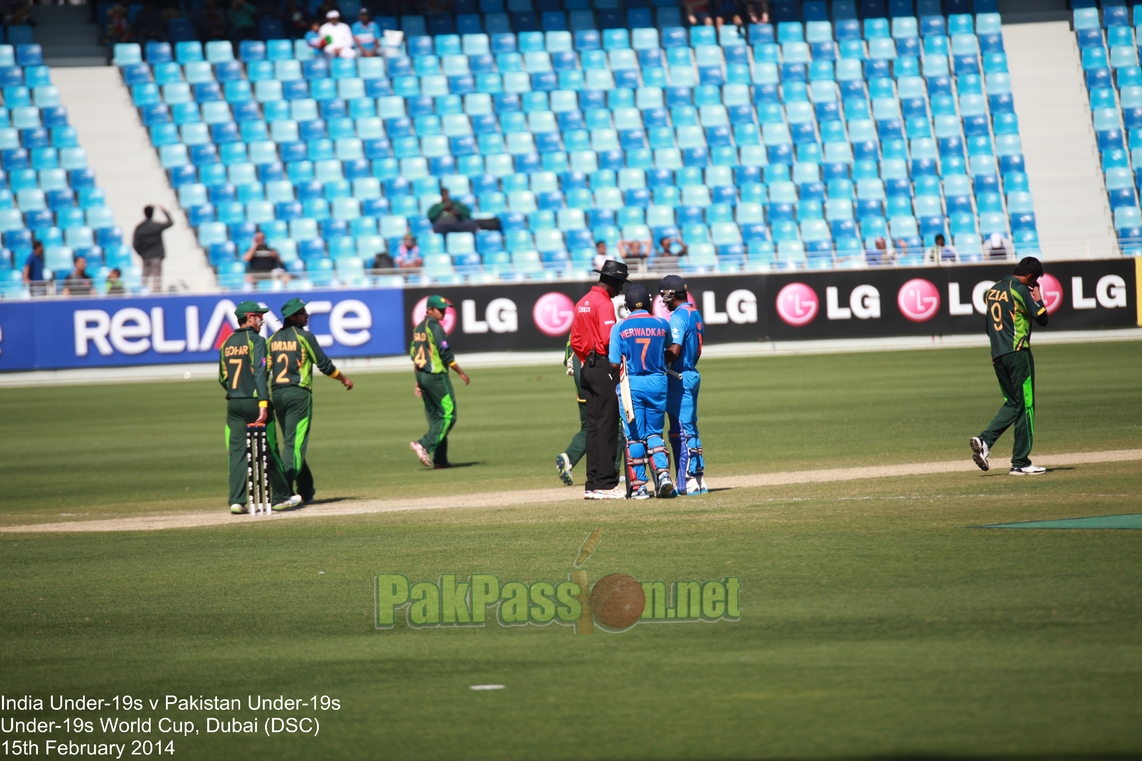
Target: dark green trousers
<point>1016,374</point>
<point>440,409</point>
<point>294,408</point>
<point>239,414</point>
<point>578,446</point>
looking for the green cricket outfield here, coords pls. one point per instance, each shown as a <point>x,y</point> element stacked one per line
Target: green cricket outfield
<point>877,617</point>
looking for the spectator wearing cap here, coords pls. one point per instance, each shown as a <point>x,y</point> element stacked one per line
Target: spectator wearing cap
<point>339,42</point>
<point>590,340</point>
<point>998,248</point>
<point>366,34</point>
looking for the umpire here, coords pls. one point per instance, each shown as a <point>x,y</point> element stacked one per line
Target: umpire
<point>242,372</point>
<point>293,353</point>
<point>590,340</point>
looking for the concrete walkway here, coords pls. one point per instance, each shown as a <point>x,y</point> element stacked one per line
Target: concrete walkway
<point>127,168</point>
<point>1071,207</point>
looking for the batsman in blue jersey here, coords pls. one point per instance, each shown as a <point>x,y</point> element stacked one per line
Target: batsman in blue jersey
<point>639,343</point>
<point>682,385</point>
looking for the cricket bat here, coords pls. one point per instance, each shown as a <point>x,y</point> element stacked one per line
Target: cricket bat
<point>624,390</point>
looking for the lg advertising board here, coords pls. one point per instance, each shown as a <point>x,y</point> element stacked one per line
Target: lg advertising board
<point>798,305</point>
<point>794,305</point>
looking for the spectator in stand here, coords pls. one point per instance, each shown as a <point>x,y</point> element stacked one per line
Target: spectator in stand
<point>600,256</point>
<point>901,248</point>
<point>297,23</point>
<point>34,270</point>
<point>243,25</point>
<point>338,36</point>
<point>14,12</point>
<point>747,12</point>
<point>697,12</point>
<point>636,249</point>
<point>367,34</point>
<point>450,216</point>
<point>879,253</point>
<point>148,244</point>
<point>313,37</point>
<point>262,262</point>
<point>211,22</point>
<point>118,27</point>
<point>408,254</point>
<point>998,248</point>
<point>941,252</point>
<point>670,250</point>
<point>382,261</point>
<point>78,282</point>
<point>115,286</point>
<point>149,24</point>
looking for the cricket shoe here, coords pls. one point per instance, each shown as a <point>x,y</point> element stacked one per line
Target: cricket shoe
<point>980,452</point>
<point>238,509</point>
<point>665,487</point>
<point>694,487</point>
<point>443,466</point>
<point>293,501</point>
<point>640,493</point>
<point>1027,470</point>
<point>619,492</point>
<point>563,466</point>
<point>421,452</point>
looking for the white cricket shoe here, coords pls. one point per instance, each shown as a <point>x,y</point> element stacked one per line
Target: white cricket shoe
<point>1027,470</point>
<point>665,487</point>
<point>640,493</point>
<point>293,501</point>
<point>693,487</point>
<point>421,453</point>
<point>619,492</point>
<point>238,509</point>
<point>563,466</point>
<point>980,452</point>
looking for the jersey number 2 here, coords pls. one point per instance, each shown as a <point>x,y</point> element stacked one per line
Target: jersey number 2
<point>282,377</point>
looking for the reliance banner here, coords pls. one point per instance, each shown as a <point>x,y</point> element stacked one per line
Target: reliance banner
<point>57,334</point>
<point>798,305</point>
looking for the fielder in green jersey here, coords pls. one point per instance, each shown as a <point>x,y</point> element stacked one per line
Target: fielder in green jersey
<point>294,352</point>
<point>242,371</point>
<point>1012,303</point>
<point>432,359</point>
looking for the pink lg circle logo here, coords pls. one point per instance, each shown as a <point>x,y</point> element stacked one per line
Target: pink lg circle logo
<point>418,311</point>
<point>919,300</point>
<point>1052,292</point>
<point>797,304</point>
<point>661,311</point>
<point>553,314</point>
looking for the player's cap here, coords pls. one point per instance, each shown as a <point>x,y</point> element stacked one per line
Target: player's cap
<point>249,307</point>
<point>292,307</point>
<point>613,269</point>
<point>637,297</point>
<point>363,12</point>
<point>672,283</point>
<point>437,302</point>
<point>333,14</point>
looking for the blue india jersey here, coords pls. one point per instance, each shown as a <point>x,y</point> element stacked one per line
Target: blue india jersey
<point>686,331</point>
<point>642,338</point>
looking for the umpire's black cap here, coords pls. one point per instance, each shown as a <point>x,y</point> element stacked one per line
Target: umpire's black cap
<point>638,297</point>
<point>613,269</point>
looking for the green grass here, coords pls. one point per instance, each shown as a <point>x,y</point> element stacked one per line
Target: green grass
<point>877,620</point>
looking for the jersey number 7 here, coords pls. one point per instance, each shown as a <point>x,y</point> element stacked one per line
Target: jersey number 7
<point>645,343</point>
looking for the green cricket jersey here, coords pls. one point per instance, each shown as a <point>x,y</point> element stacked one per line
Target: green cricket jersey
<point>242,365</point>
<point>430,351</point>
<point>293,353</point>
<point>1010,309</point>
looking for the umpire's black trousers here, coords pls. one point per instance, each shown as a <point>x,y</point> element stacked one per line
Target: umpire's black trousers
<point>597,382</point>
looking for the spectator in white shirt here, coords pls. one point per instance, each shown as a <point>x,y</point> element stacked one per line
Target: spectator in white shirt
<point>339,35</point>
